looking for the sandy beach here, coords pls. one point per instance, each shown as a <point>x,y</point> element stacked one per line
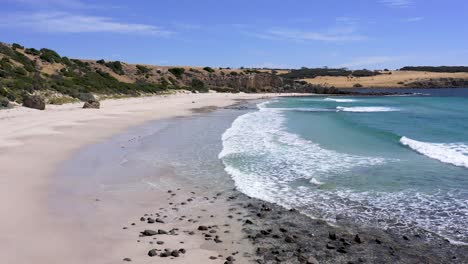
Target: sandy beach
<point>33,143</point>
<point>140,181</point>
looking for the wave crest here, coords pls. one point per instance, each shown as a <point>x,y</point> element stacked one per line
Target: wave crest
<point>367,109</point>
<point>451,153</point>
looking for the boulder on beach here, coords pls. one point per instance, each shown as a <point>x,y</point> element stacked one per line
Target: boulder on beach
<point>92,104</point>
<point>34,101</point>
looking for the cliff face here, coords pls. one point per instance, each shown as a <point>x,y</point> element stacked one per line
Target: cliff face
<point>439,83</point>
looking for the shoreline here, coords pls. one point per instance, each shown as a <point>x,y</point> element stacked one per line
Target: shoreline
<point>33,143</point>
<point>272,233</point>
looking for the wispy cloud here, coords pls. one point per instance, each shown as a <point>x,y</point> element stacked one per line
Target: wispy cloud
<point>50,3</point>
<point>413,19</point>
<point>63,22</point>
<point>369,61</point>
<point>344,29</point>
<point>397,3</point>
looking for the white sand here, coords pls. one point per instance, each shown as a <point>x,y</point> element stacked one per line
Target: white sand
<point>33,143</point>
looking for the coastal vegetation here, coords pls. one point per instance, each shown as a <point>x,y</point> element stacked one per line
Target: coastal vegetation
<point>436,68</point>
<point>304,73</point>
<point>27,71</point>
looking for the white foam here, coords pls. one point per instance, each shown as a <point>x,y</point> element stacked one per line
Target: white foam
<point>451,153</point>
<point>316,182</point>
<point>303,109</point>
<point>365,109</point>
<point>270,163</point>
<point>340,100</point>
<point>263,157</point>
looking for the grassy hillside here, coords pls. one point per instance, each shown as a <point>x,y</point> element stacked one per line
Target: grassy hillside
<point>61,79</point>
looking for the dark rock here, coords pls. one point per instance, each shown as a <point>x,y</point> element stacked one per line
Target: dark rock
<point>213,257</point>
<point>164,254</point>
<point>158,220</point>
<point>148,232</point>
<point>341,250</point>
<point>160,242</point>
<point>217,240</point>
<point>175,253</point>
<point>330,246</point>
<point>405,238</point>
<point>289,239</point>
<point>152,253</point>
<point>261,250</point>
<point>332,236</point>
<point>162,232</point>
<point>34,101</point>
<point>248,222</point>
<point>202,228</point>
<point>150,221</point>
<point>182,250</point>
<point>357,239</point>
<point>127,259</point>
<point>92,104</point>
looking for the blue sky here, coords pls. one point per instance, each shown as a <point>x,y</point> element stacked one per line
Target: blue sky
<point>257,33</point>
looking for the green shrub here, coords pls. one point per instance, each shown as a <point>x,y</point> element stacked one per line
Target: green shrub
<point>357,85</point>
<point>233,73</point>
<point>209,69</point>
<point>102,62</point>
<point>50,56</point>
<point>142,69</point>
<point>115,66</point>
<point>177,72</point>
<point>32,51</point>
<point>17,46</point>
<point>198,85</point>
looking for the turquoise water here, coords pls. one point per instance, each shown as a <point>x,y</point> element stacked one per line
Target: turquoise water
<point>395,162</point>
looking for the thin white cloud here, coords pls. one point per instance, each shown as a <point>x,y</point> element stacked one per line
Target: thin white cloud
<point>397,3</point>
<point>369,61</point>
<point>63,22</point>
<point>343,30</point>
<point>50,3</point>
<point>413,19</point>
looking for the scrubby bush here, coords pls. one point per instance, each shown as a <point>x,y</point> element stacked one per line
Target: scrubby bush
<point>142,69</point>
<point>357,85</point>
<point>198,85</point>
<point>50,56</point>
<point>115,66</point>
<point>17,46</point>
<point>102,62</point>
<point>209,69</point>
<point>436,68</point>
<point>177,72</point>
<point>32,51</point>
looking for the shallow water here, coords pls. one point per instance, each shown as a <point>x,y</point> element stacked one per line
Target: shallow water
<point>396,162</point>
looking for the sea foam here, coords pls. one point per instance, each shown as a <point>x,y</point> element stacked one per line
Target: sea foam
<point>451,153</point>
<point>340,100</point>
<point>364,109</point>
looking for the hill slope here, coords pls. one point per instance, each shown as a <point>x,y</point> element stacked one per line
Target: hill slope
<point>61,79</point>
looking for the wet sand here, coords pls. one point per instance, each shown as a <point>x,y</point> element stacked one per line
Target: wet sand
<point>158,189</point>
<point>33,143</point>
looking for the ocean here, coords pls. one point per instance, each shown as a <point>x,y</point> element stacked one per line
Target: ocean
<point>394,162</point>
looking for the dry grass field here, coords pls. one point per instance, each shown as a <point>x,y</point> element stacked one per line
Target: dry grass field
<point>394,80</point>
